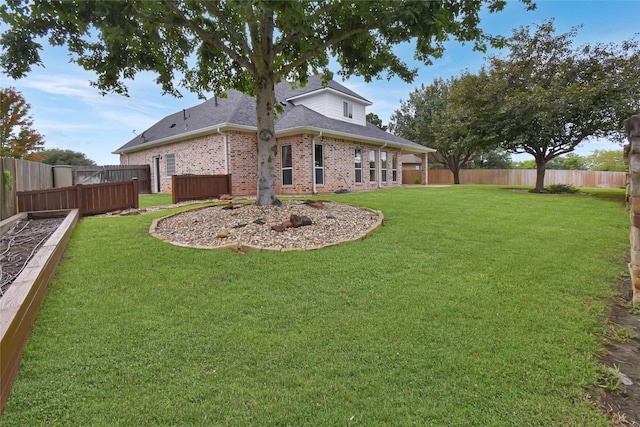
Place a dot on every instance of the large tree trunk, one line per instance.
(262, 39)
(541, 168)
(267, 147)
(456, 175)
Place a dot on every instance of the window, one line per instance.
(394, 167)
(357, 158)
(347, 109)
(319, 165)
(286, 165)
(383, 165)
(372, 165)
(171, 164)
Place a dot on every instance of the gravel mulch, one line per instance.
(248, 227)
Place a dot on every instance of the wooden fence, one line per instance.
(411, 176)
(88, 199)
(194, 187)
(527, 177)
(22, 175)
(114, 173)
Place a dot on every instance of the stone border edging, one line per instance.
(243, 248)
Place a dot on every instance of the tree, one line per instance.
(433, 116)
(606, 160)
(492, 159)
(573, 162)
(56, 156)
(375, 120)
(553, 97)
(246, 45)
(17, 137)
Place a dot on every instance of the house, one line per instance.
(324, 143)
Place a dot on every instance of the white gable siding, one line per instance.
(330, 104)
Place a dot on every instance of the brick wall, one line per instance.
(199, 156)
(339, 166)
(205, 155)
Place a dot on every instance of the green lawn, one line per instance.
(472, 305)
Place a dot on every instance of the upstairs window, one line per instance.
(287, 165)
(347, 109)
(170, 164)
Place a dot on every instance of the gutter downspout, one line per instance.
(380, 165)
(225, 149)
(313, 162)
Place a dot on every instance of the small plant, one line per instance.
(609, 378)
(635, 309)
(561, 188)
(619, 334)
(7, 180)
(417, 182)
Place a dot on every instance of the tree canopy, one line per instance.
(57, 156)
(17, 137)
(435, 116)
(246, 45)
(552, 96)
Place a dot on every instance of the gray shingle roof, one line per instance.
(284, 91)
(301, 117)
(239, 111)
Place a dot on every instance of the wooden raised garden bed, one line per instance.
(20, 303)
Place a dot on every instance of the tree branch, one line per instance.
(315, 51)
(206, 37)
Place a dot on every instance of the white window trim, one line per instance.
(316, 168)
(372, 159)
(170, 171)
(283, 168)
(356, 168)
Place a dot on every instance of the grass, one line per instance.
(472, 305)
(148, 200)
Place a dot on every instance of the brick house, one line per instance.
(324, 143)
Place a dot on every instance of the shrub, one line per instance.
(561, 188)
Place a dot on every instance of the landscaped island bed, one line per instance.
(251, 227)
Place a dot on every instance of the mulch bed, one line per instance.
(20, 244)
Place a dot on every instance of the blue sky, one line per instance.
(73, 115)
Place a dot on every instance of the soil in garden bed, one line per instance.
(20, 244)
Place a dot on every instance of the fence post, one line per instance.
(632, 129)
(79, 199)
(134, 183)
(174, 179)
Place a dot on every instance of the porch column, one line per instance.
(425, 169)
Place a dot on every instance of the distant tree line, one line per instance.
(598, 160)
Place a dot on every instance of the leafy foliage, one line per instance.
(553, 97)
(561, 188)
(606, 160)
(17, 137)
(246, 45)
(375, 120)
(434, 116)
(56, 156)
